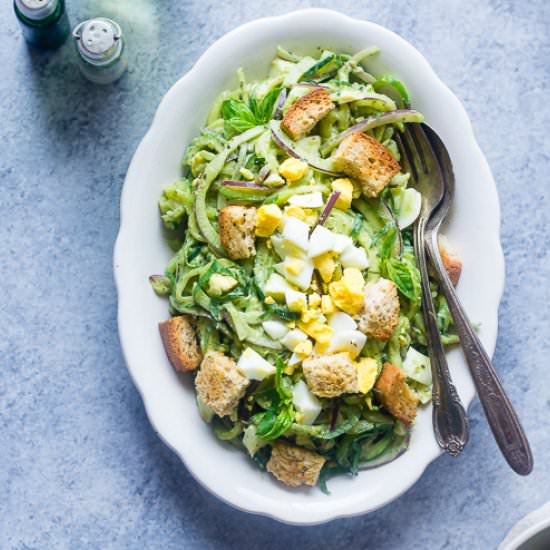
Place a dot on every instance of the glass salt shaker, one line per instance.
(44, 22)
(101, 50)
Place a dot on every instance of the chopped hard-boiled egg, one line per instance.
(275, 329)
(417, 367)
(295, 300)
(276, 286)
(281, 248)
(293, 266)
(341, 321)
(298, 271)
(367, 369)
(307, 200)
(353, 256)
(351, 341)
(268, 219)
(293, 169)
(296, 212)
(253, 366)
(318, 330)
(320, 242)
(408, 203)
(327, 305)
(326, 265)
(303, 349)
(314, 300)
(347, 293)
(340, 243)
(345, 187)
(305, 402)
(295, 233)
(293, 338)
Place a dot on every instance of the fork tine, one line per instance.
(407, 154)
(424, 151)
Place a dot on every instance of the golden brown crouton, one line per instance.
(293, 465)
(180, 343)
(380, 313)
(330, 375)
(219, 384)
(237, 228)
(451, 260)
(306, 112)
(395, 395)
(369, 162)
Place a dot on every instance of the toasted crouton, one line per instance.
(180, 343)
(330, 375)
(395, 395)
(219, 384)
(295, 466)
(369, 162)
(451, 260)
(237, 228)
(306, 112)
(380, 313)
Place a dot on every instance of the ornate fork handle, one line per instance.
(500, 413)
(450, 421)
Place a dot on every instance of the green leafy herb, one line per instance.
(239, 115)
(274, 422)
(405, 276)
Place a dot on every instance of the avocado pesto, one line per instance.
(294, 291)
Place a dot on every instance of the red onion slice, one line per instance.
(331, 202)
(278, 114)
(289, 148)
(262, 174)
(392, 117)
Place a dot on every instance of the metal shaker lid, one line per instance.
(36, 9)
(98, 40)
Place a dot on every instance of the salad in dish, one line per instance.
(294, 290)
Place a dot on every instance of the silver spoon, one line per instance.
(499, 411)
(449, 418)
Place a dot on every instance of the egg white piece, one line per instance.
(408, 204)
(351, 341)
(321, 241)
(301, 280)
(295, 300)
(340, 243)
(276, 286)
(295, 233)
(341, 321)
(305, 402)
(353, 256)
(307, 200)
(253, 366)
(293, 338)
(275, 329)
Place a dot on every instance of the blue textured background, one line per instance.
(80, 466)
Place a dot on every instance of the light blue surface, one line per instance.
(80, 466)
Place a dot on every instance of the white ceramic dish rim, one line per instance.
(309, 17)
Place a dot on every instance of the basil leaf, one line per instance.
(386, 238)
(265, 111)
(237, 117)
(405, 276)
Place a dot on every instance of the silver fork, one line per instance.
(449, 418)
(501, 416)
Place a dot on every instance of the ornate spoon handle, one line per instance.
(500, 413)
(450, 421)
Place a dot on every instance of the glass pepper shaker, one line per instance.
(44, 22)
(101, 50)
